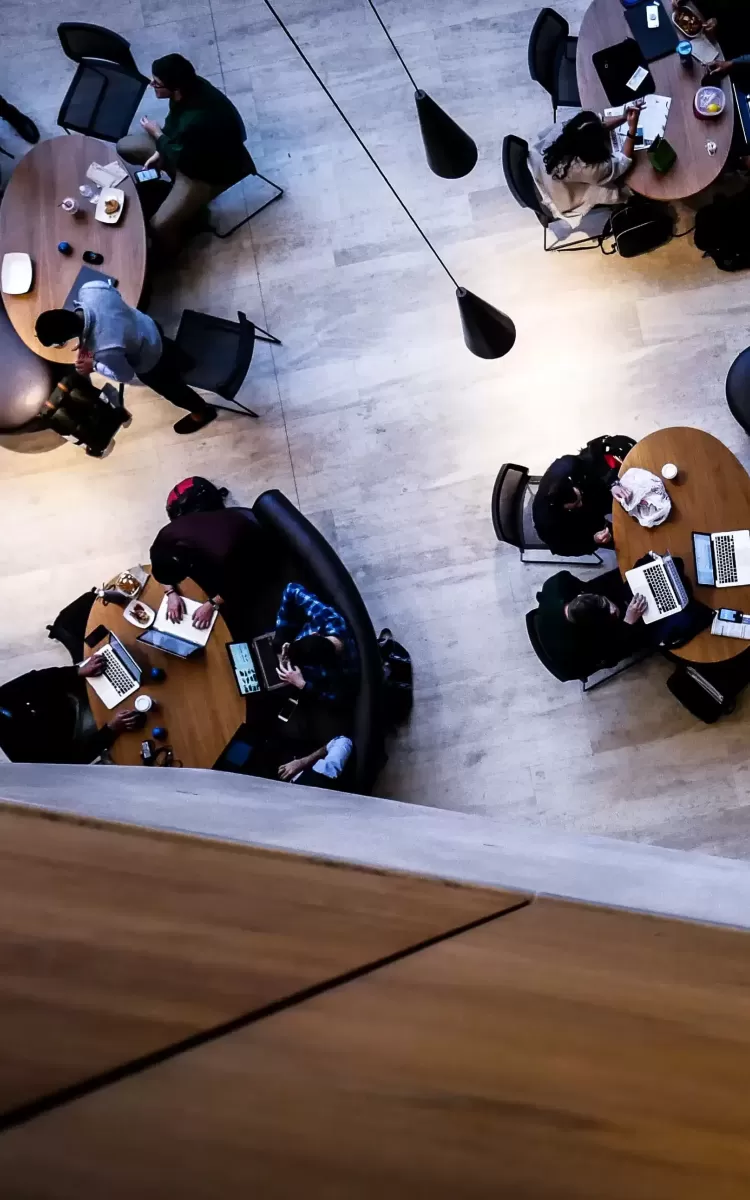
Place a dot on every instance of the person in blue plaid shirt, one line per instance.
(317, 650)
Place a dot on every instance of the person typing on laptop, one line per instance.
(587, 626)
(45, 716)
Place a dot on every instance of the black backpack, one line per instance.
(722, 232)
(193, 495)
(638, 227)
(398, 684)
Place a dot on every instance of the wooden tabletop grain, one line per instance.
(604, 25)
(711, 493)
(198, 702)
(31, 221)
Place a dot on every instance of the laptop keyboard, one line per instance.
(656, 578)
(726, 563)
(115, 673)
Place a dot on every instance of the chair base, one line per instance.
(586, 560)
(591, 242)
(615, 671)
(254, 213)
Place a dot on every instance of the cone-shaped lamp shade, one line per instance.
(450, 152)
(488, 333)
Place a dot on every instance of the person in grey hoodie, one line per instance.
(121, 343)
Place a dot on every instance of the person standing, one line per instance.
(120, 342)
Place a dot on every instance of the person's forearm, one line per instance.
(628, 147)
(172, 587)
(612, 122)
(311, 759)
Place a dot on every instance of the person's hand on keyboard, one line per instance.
(202, 616)
(636, 609)
(176, 608)
(95, 665)
(125, 720)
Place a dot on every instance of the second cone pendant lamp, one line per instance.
(450, 152)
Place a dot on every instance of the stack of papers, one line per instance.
(106, 177)
(651, 124)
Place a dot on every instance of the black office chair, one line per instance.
(738, 389)
(548, 662)
(252, 174)
(220, 352)
(512, 499)
(524, 191)
(107, 87)
(552, 59)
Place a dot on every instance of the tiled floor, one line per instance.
(378, 421)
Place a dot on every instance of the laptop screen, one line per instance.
(169, 642)
(124, 656)
(704, 559)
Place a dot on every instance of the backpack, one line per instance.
(638, 227)
(604, 455)
(193, 495)
(398, 685)
(721, 232)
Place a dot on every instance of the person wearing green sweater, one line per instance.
(200, 146)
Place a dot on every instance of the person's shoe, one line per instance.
(23, 125)
(195, 421)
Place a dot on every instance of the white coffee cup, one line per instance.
(669, 471)
(69, 205)
(143, 704)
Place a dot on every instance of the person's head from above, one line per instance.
(172, 77)
(57, 326)
(592, 613)
(314, 650)
(583, 138)
(565, 495)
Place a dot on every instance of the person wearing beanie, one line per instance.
(200, 146)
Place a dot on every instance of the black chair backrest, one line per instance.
(549, 32)
(518, 176)
(80, 41)
(738, 389)
(539, 650)
(507, 503)
(221, 351)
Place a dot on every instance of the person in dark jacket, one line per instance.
(571, 507)
(728, 22)
(200, 146)
(45, 717)
(584, 627)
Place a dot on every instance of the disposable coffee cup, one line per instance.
(69, 205)
(669, 471)
(144, 704)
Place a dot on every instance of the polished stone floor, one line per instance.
(375, 418)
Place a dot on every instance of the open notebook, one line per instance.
(652, 122)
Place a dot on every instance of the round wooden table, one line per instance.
(604, 25)
(198, 702)
(32, 221)
(711, 494)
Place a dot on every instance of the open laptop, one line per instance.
(742, 103)
(183, 628)
(660, 585)
(722, 559)
(268, 660)
(122, 675)
(170, 643)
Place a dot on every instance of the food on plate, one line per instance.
(688, 22)
(139, 613)
(111, 206)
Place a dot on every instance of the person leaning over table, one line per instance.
(40, 716)
(201, 145)
(571, 507)
(120, 342)
(728, 23)
(575, 167)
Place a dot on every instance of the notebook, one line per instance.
(659, 41)
(185, 628)
(616, 65)
(652, 121)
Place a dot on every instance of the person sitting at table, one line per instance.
(120, 342)
(223, 551)
(45, 717)
(727, 22)
(571, 507)
(201, 146)
(322, 768)
(575, 167)
(587, 626)
(316, 648)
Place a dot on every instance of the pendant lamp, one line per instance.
(488, 333)
(450, 152)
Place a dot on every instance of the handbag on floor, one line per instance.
(638, 227)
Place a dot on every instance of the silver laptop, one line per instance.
(722, 559)
(660, 585)
(122, 675)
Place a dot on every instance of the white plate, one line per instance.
(17, 274)
(109, 194)
(128, 615)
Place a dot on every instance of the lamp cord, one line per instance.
(395, 47)
(354, 133)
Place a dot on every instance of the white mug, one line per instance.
(669, 471)
(143, 704)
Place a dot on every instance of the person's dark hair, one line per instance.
(58, 325)
(585, 138)
(313, 650)
(174, 71)
(590, 611)
(561, 493)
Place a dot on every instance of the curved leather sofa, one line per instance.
(26, 380)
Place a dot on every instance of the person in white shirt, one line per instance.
(575, 166)
(321, 768)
